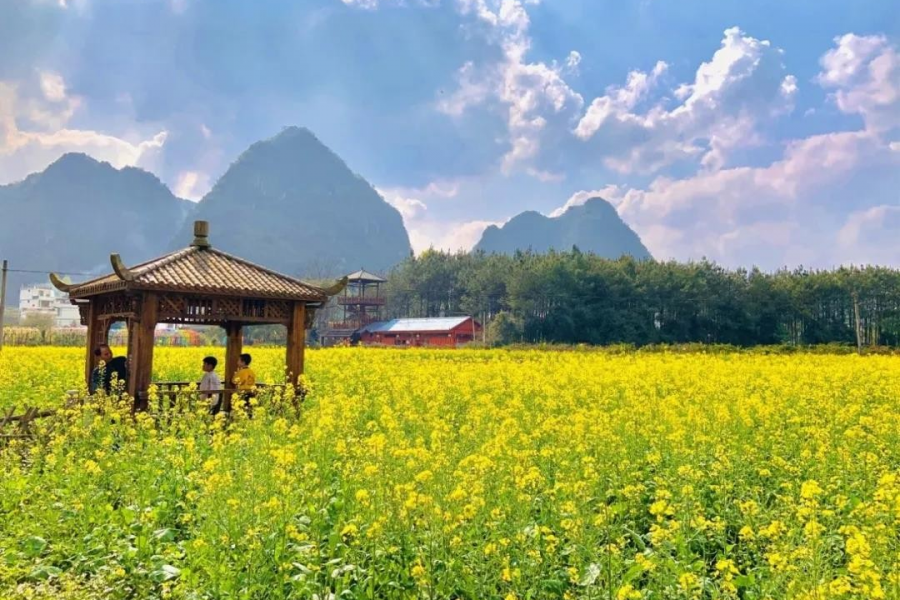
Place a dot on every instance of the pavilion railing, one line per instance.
(168, 392)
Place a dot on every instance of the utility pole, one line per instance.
(484, 318)
(858, 332)
(3, 298)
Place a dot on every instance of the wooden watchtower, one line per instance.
(360, 304)
(196, 285)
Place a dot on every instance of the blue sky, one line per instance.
(753, 133)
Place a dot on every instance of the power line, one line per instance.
(47, 272)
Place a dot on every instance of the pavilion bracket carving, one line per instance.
(84, 312)
(117, 306)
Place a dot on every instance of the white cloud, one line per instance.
(806, 207)
(619, 101)
(426, 231)
(192, 185)
(534, 94)
(60, 3)
(545, 176)
(373, 4)
(367, 4)
(409, 208)
(608, 193)
(742, 85)
(24, 150)
(442, 189)
(471, 91)
(870, 235)
(80, 5)
(451, 237)
(53, 86)
(807, 164)
(864, 71)
(784, 213)
(860, 221)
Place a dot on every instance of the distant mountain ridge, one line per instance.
(594, 227)
(288, 203)
(69, 218)
(292, 204)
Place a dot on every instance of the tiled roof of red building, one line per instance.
(423, 325)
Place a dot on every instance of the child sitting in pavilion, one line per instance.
(244, 379)
(210, 383)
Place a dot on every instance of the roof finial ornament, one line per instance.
(59, 284)
(201, 234)
(119, 268)
(337, 288)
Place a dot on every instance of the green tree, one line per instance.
(504, 329)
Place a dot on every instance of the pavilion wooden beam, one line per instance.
(296, 342)
(140, 355)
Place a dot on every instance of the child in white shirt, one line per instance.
(210, 382)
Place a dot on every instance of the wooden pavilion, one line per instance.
(196, 285)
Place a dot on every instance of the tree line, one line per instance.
(575, 297)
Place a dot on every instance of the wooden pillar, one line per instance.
(233, 347)
(132, 353)
(90, 361)
(296, 342)
(140, 355)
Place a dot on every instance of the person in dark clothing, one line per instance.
(102, 375)
(104, 354)
(116, 372)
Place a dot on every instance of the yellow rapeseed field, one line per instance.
(474, 474)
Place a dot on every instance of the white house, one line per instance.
(44, 299)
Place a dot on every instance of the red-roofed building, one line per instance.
(442, 332)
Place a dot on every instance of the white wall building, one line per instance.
(44, 299)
